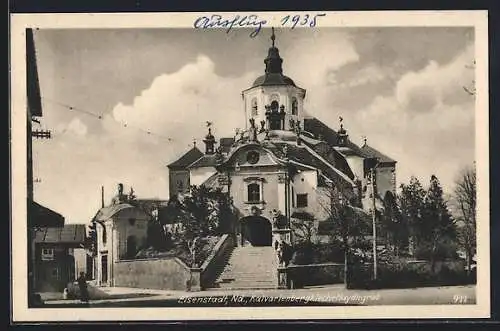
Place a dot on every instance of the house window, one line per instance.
(47, 254)
(253, 192)
(301, 200)
(295, 106)
(254, 107)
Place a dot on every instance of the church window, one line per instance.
(253, 192)
(254, 107)
(295, 106)
(301, 200)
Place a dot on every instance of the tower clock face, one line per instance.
(252, 157)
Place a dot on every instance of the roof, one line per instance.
(72, 234)
(305, 155)
(209, 160)
(271, 79)
(318, 128)
(376, 154)
(212, 181)
(39, 215)
(189, 157)
(109, 211)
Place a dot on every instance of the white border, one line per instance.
(478, 19)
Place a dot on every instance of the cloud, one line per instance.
(77, 126)
(423, 90)
(427, 124)
(177, 105)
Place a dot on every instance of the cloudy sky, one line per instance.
(402, 88)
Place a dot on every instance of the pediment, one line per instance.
(251, 155)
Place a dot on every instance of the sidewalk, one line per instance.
(324, 295)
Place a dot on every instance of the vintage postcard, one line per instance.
(250, 165)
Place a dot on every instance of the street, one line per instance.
(314, 296)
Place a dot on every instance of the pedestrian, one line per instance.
(82, 284)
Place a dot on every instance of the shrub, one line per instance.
(404, 274)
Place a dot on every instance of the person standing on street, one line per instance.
(82, 284)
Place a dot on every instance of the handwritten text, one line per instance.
(253, 21)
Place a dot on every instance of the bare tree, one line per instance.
(346, 227)
(464, 199)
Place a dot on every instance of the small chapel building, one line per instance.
(284, 164)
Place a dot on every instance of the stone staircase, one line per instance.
(249, 267)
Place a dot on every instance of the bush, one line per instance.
(405, 274)
(309, 253)
(180, 250)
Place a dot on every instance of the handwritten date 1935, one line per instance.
(300, 20)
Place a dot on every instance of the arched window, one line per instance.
(253, 192)
(254, 107)
(131, 247)
(295, 106)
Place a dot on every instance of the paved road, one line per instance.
(316, 296)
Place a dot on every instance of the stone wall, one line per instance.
(162, 274)
(216, 261)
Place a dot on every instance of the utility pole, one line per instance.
(374, 224)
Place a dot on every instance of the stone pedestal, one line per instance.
(195, 281)
(283, 281)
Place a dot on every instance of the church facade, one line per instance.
(283, 165)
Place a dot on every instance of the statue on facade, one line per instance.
(253, 130)
(120, 197)
(291, 123)
(131, 194)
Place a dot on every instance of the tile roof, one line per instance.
(69, 234)
(376, 154)
(189, 157)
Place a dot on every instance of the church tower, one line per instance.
(274, 99)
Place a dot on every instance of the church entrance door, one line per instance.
(256, 231)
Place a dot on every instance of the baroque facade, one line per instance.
(284, 164)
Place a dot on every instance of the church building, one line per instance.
(283, 165)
